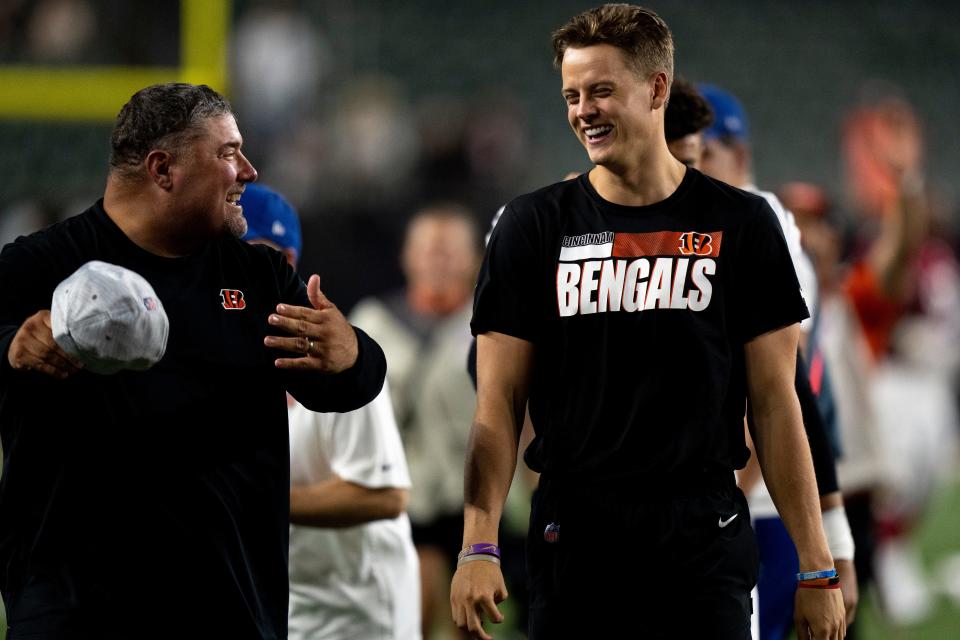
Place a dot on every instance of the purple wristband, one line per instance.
(481, 549)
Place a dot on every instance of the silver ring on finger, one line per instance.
(310, 344)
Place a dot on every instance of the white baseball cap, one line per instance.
(109, 318)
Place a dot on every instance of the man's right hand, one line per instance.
(477, 588)
(34, 349)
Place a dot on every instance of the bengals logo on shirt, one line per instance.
(609, 272)
(696, 244)
(232, 299)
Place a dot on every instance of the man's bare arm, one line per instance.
(504, 364)
(787, 466)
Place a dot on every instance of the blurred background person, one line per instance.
(424, 329)
(281, 58)
(353, 568)
(688, 116)
(727, 156)
(903, 284)
(889, 321)
(845, 353)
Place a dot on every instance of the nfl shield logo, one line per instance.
(552, 532)
(150, 304)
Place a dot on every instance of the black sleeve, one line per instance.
(28, 275)
(768, 292)
(344, 391)
(508, 285)
(15, 305)
(472, 362)
(347, 390)
(824, 464)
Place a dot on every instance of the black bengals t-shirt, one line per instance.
(155, 504)
(638, 316)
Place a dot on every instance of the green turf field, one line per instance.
(939, 538)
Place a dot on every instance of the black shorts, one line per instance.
(673, 565)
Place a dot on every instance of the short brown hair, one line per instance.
(639, 32)
(162, 116)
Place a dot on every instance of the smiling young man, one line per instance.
(155, 503)
(636, 307)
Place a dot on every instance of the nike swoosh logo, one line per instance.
(723, 523)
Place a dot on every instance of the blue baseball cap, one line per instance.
(729, 117)
(270, 217)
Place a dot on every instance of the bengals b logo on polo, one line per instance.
(696, 244)
(232, 299)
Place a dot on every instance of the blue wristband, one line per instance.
(816, 575)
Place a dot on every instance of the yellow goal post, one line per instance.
(96, 93)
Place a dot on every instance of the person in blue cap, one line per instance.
(354, 572)
(726, 139)
(272, 220)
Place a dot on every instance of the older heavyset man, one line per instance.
(155, 503)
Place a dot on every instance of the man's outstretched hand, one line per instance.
(322, 334)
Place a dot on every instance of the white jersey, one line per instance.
(801, 261)
(362, 581)
(434, 399)
(761, 504)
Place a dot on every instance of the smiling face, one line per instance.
(614, 112)
(212, 172)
